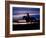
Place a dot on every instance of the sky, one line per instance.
(22, 10)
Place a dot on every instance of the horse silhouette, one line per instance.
(28, 18)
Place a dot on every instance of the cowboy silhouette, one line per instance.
(27, 18)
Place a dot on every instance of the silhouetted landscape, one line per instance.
(31, 26)
(26, 19)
